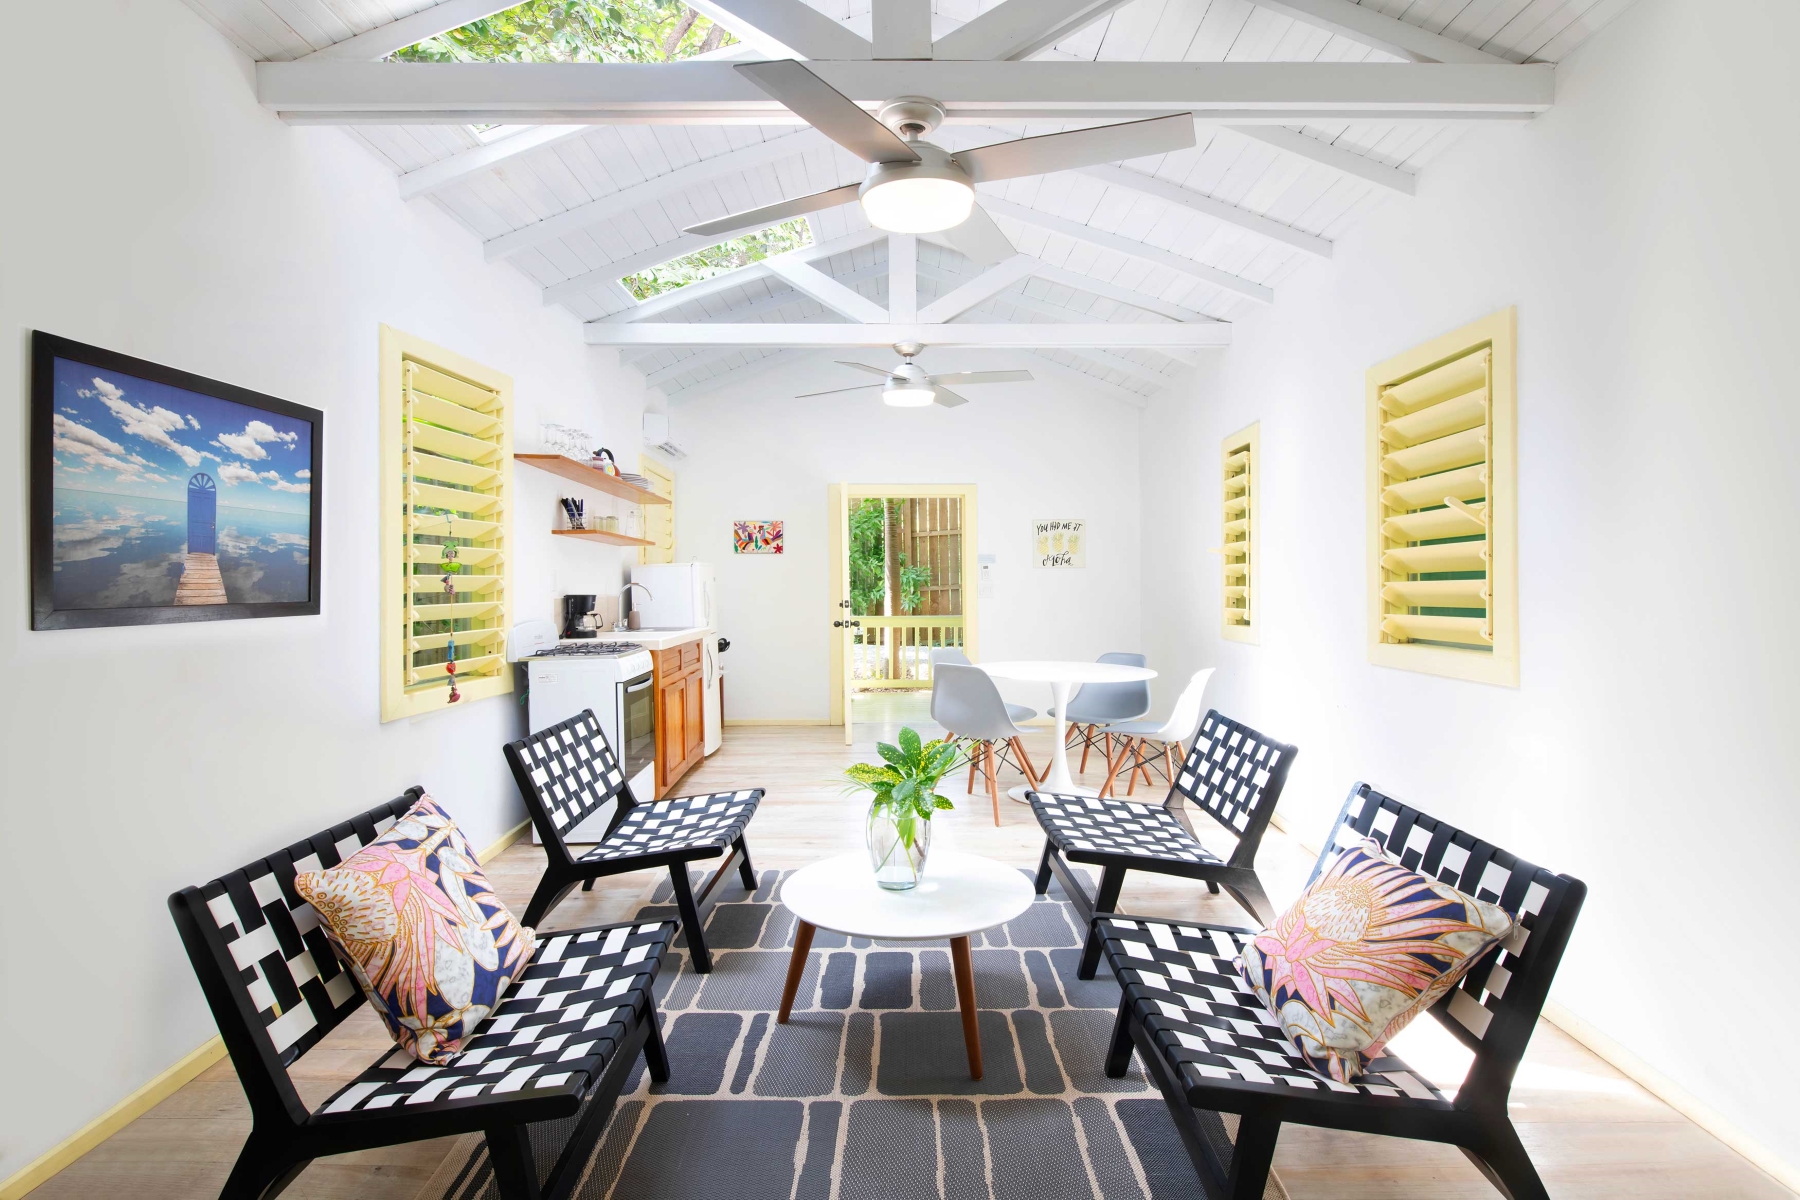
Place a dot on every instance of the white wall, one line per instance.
(1644, 228)
(151, 207)
(1046, 449)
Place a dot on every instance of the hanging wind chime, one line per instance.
(452, 568)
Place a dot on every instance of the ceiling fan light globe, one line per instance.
(910, 396)
(918, 205)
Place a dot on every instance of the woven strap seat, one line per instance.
(710, 822)
(1098, 826)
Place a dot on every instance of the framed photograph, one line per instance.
(160, 496)
(758, 537)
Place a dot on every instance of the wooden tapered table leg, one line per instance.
(965, 998)
(803, 936)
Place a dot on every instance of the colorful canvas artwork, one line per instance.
(756, 537)
(161, 496)
(1060, 543)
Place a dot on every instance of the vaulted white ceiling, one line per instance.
(609, 163)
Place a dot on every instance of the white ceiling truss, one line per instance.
(1307, 114)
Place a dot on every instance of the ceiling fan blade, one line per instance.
(1078, 148)
(964, 377)
(949, 399)
(866, 367)
(775, 214)
(828, 110)
(861, 387)
(980, 239)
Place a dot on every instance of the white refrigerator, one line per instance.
(685, 596)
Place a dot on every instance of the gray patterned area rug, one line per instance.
(865, 1094)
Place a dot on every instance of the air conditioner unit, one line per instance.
(656, 435)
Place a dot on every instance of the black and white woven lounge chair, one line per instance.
(567, 772)
(1213, 1048)
(560, 1045)
(1233, 774)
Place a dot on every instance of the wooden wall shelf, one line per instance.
(601, 535)
(580, 472)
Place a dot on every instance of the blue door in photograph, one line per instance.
(203, 512)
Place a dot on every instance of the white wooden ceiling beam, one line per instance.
(902, 28)
(714, 93)
(1076, 281)
(903, 277)
(1376, 29)
(808, 279)
(1207, 206)
(661, 377)
(657, 305)
(1142, 251)
(1345, 162)
(1055, 312)
(660, 187)
(383, 40)
(1018, 29)
(1105, 336)
(476, 159)
(799, 29)
(981, 288)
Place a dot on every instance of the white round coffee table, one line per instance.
(959, 895)
(1063, 677)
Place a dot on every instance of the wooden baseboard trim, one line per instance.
(1645, 1076)
(112, 1120)
(749, 722)
(1628, 1064)
(506, 839)
(157, 1090)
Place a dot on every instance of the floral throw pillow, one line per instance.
(1368, 947)
(414, 919)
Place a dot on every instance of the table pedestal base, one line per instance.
(962, 967)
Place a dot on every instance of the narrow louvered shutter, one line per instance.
(447, 528)
(1239, 517)
(1443, 590)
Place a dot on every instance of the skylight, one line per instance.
(719, 260)
(641, 31)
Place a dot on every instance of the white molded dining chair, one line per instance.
(1168, 736)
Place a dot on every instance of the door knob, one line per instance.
(837, 624)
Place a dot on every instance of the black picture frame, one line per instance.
(46, 349)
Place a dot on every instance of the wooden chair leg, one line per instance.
(515, 1172)
(264, 1168)
(1031, 773)
(656, 1056)
(1087, 747)
(550, 892)
(690, 918)
(1114, 763)
(1137, 766)
(1112, 880)
(1503, 1160)
(1169, 763)
(1042, 883)
(746, 872)
(1118, 1053)
(1252, 1153)
(974, 761)
(993, 778)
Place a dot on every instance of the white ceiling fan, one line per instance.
(908, 386)
(913, 186)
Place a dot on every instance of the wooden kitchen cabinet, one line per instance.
(680, 714)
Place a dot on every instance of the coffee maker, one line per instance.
(578, 617)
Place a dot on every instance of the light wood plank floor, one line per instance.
(1593, 1133)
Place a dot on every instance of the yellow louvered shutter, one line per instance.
(1239, 516)
(1443, 586)
(446, 450)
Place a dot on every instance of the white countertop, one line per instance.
(656, 639)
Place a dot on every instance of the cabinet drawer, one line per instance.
(668, 662)
(690, 654)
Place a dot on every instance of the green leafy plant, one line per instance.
(905, 785)
(716, 260)
(912, 581)
(639, 31)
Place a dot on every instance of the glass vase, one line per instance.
(897, 848)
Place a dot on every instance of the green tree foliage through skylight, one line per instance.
(717, 260)
(642, 31)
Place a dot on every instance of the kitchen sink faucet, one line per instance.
(621, 623)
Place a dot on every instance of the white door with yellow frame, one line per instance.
(914, 598)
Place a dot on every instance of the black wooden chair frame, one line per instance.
(285, 1135)
(1236, 875)
(1476, 1121)
(563, 871)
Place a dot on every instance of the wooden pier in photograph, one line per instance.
(201, 582)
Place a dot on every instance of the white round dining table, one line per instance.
(1063, 678)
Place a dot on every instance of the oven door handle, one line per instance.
(638, 687)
